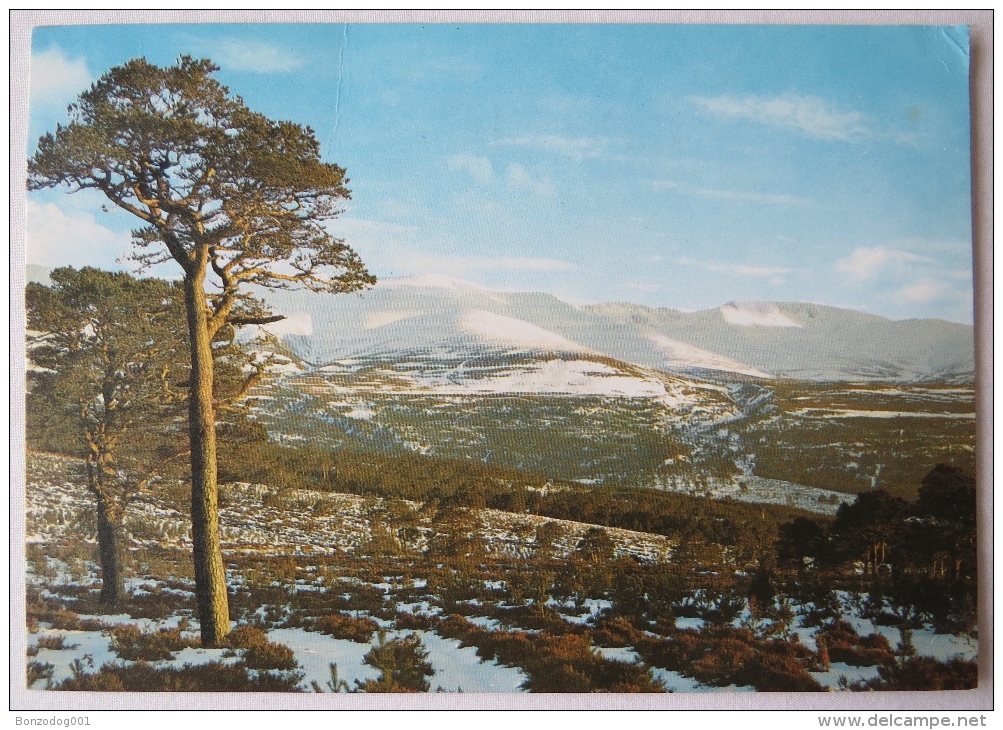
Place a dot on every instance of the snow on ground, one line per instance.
(268, 521)
(510, 331)
(455, 667)
(315, 653)
(683, 355)
(620, 654)
(760, 490)
(683, 623)
(756, 314)
(850, 413)
(556, 376)
(461, 668)
(838, 671)
(676, 682)
(92, 649)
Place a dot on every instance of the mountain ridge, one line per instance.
(765, 340)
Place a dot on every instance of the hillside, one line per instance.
(443, 316)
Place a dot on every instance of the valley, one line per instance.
(509, 493)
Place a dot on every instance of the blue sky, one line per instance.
(676, 166)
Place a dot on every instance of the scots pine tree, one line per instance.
(234, 199)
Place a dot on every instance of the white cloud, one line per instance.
(868, 263)
(253, 56)
(930, 290)
(479, 168)
(516, 175)
(519, 177)
(56, 238)
(721, 267)
(741, 196)
(908, 279)
(809, 115)
(576, 148)
(55, 79)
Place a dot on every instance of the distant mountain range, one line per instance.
(432, 314)
(440, 317)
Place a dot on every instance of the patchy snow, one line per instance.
(676, 682)
(556, 376)
(461, 669)
(315, 653)
(620, 654)
(283, 366)
(196, 655)
(455, 667)
(360, 413)
(689, 623)
(756, 314)
(944, 646)
(683, 355)
(419, 608)
(850, 413)
(92, 649)
(514, 332)
(838, 670)
(490, 624)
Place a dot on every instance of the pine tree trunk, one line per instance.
(210, 577)
(109, 529)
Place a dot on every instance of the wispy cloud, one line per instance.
(742, 196)
(577, 148)
(810, 115)
(905, 277)
(519, 177)
(928, 290)
(254, 56)
(465, 265)
(515, 176)
(724, 267)
(55, 79)
(869, 263)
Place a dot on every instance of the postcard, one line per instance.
(499, 359)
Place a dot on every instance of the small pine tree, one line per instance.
(403, 664)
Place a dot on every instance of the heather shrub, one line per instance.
(259, 652)
(210, 677)
(245, 636)
(847, 646)
(924, 673)
(54, 642)
(339, 626)
(270, 655)
(131, 644)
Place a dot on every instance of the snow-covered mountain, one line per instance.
(437, 317)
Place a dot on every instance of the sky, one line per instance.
(667, 165)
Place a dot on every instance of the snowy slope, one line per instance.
(446, 317)
(813, 342)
